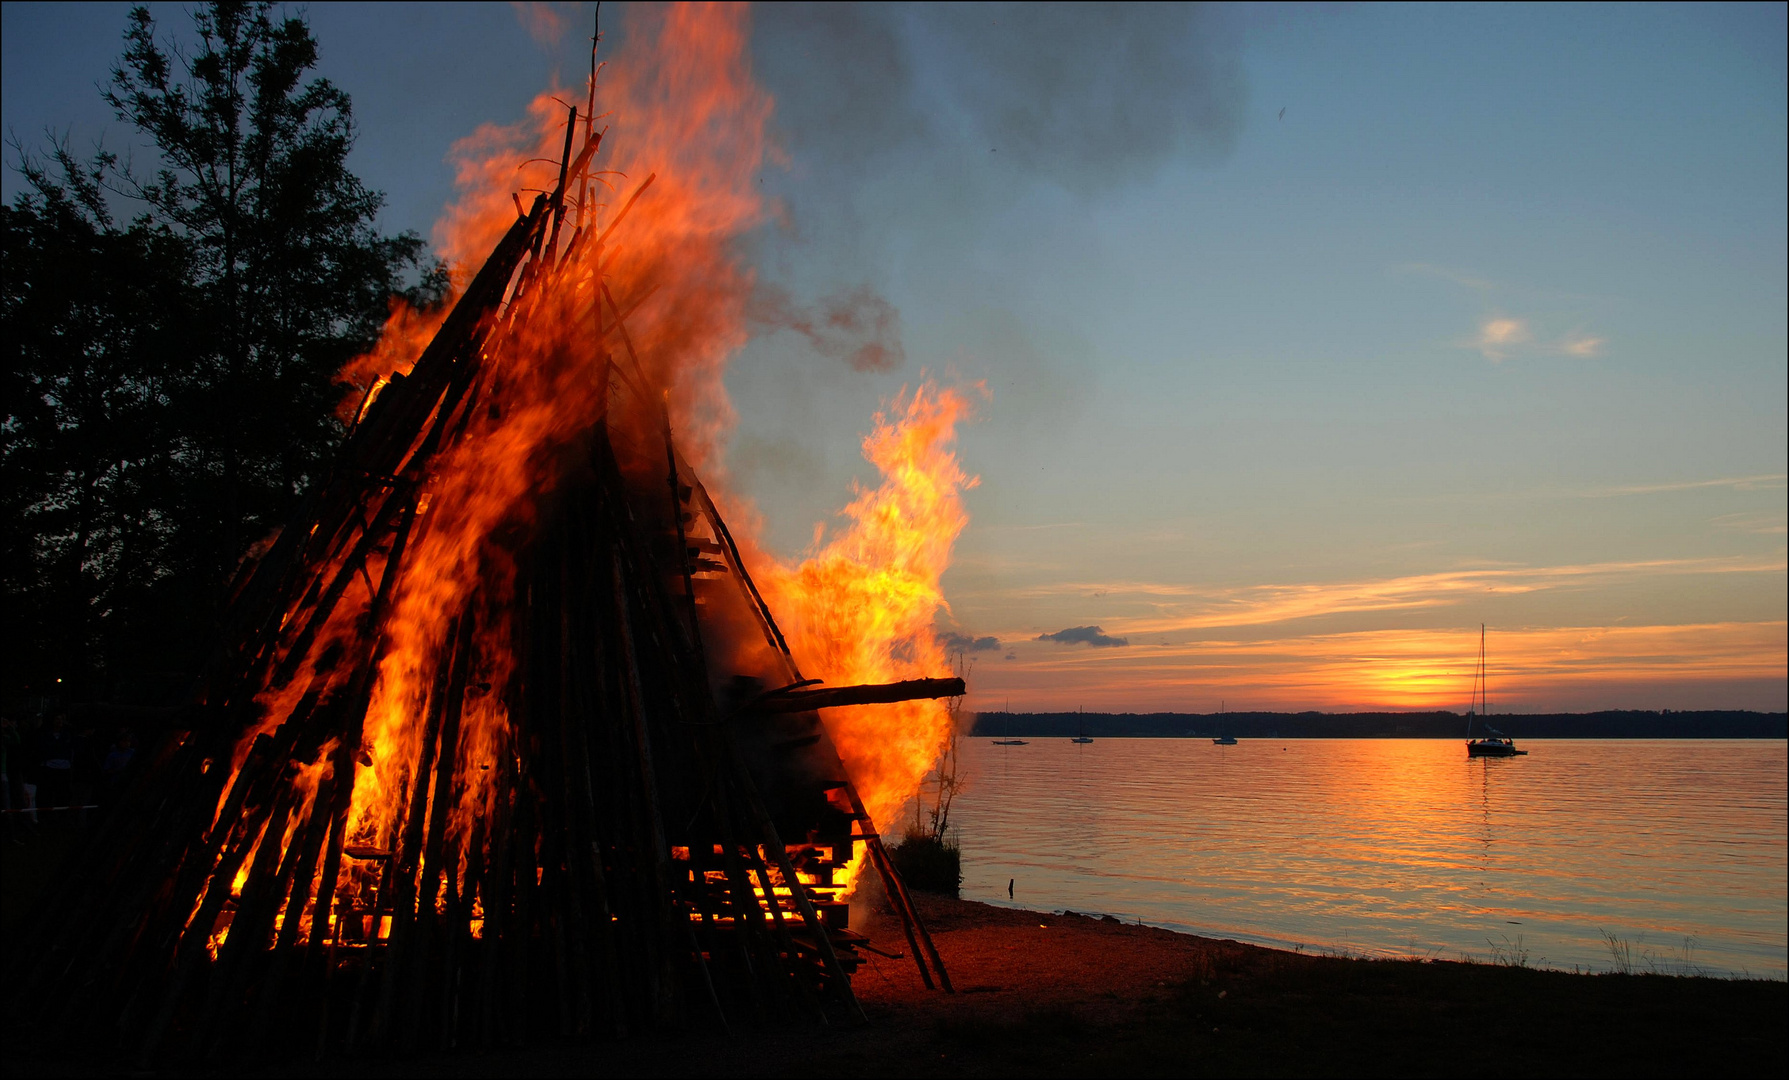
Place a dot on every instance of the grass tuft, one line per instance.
(1510, 954)
(1621, 951)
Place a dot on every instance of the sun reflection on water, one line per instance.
(1399, 846)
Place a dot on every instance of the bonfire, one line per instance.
(503, 740)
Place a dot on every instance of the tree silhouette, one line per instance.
(173, 387)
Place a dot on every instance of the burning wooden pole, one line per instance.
(541, 820)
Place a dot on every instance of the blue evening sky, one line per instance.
(1489, 326)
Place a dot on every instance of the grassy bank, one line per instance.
(29, 856)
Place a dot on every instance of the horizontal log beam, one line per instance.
(868, 694)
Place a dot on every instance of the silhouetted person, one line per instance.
(55, 764)
(10, 745)
(84, 777)
(112, 770)
(1009, 887)
(28, 768)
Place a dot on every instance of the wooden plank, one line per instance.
(789, 701)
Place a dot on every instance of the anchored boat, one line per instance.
(1495, 744)
(1498, 746)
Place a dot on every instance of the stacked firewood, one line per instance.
(658, 844)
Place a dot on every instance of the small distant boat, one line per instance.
(1009, 741)
(1082, 739)
(1224, 740)
(1496, 744)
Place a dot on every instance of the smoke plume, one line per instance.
(856, 325)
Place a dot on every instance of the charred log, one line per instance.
(799, 700)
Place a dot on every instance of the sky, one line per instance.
(1313, 338)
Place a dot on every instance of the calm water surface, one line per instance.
(1399, 846)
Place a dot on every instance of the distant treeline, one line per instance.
(1613, 724)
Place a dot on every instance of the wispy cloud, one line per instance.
(1498, 337)
(1721, 664)
(1768, 524)
(1581, 345)
(1192, 607)
(1760, 482)
(1458, 277)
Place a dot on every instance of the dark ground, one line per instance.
(1068, 995)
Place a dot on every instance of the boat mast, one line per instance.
(1476, 706)
(1484, 688)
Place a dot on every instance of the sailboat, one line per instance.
(1496, 744)
(1009, 741)
(1226, 739)
(1083, 737)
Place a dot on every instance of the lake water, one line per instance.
(1399, 847)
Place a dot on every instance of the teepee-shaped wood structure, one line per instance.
(579, 822)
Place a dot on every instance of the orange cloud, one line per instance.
(1501, 336)
(1182, 608)
(1582, 345)
(1733, 664)
(1498, 336)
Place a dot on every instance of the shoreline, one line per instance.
(1073, 995)
(1641, 965)
(1082, 995)
(1079, 995)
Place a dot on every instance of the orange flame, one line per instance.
(694, 120)
(406, 333)
(861, 609)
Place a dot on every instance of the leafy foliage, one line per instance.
(96, 318)
(927, 857)
(928, 862)
(172, 381)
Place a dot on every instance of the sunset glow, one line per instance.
(1532, 669)
(850, 538)
(1243, 388)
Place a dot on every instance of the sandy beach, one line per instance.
(1041, 994)
(1055, 994)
